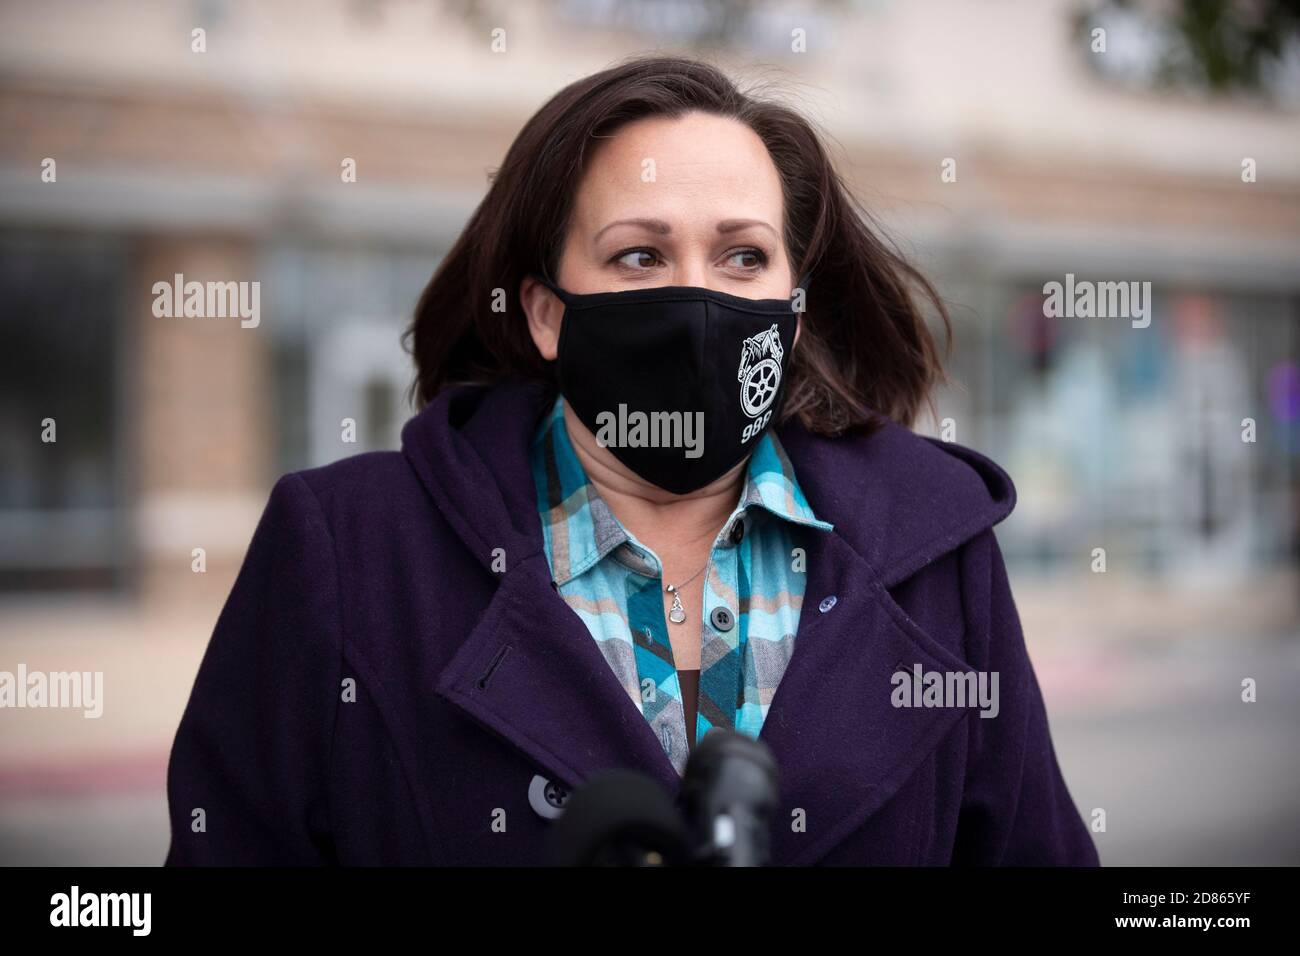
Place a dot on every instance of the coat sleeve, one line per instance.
(247, 782)
(1016, 809)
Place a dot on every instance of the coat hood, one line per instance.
(898, 499)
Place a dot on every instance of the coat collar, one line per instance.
(530, 672)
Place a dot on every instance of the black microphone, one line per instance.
(728, 795)
(618, 818)
(720, 818)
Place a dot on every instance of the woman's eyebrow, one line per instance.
(659, 227)
(735, 225)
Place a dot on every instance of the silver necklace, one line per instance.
(677, 613)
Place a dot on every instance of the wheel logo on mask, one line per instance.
(760, 371)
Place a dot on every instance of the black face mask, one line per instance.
(678, 382)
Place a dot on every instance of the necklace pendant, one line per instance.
(677, 613)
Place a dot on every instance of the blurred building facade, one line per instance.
(227, 165)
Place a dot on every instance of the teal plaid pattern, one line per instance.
(614, 583)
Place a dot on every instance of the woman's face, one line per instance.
(691, 201)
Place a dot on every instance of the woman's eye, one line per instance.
(637, 258)
(747, 259)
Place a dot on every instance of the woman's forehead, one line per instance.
(692, 167)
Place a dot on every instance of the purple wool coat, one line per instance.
(374, 692)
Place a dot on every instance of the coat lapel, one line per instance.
(898, 501)
(531, 673)
(841, 748)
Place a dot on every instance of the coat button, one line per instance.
(721, 618)
(738, 531)
(546, 798)
(827, 604)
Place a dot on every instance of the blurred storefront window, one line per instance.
(61, 370)
(338, 315)
(1159, 443)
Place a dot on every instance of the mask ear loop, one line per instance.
(541, 277)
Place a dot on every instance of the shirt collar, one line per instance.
(580, 529)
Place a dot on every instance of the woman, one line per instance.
(661, 483)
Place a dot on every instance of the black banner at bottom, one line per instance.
(333, 906)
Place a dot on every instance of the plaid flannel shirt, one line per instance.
(754, 581)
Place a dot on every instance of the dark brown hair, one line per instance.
(864, 344)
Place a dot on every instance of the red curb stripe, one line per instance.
(127, 772)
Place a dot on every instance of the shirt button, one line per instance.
(721, 618)
(737, 531)
(546, 798)
(827, 604)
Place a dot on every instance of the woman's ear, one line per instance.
(545, 312)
